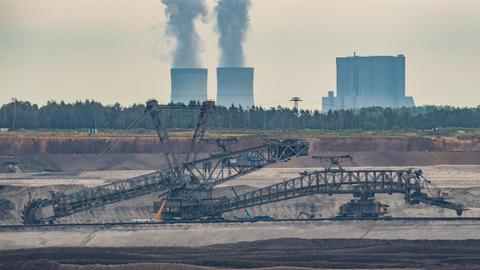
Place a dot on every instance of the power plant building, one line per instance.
(366, 81)
(235, 86)
(188, 84)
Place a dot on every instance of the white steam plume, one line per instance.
(181, 16)
(232, 26)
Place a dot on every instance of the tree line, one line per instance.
(91, 114)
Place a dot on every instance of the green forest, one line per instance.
(91, 114)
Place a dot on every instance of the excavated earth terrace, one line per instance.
(459, 181)
(46, 164)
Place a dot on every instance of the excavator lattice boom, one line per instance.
(200, 174)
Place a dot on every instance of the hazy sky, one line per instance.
(115, 50)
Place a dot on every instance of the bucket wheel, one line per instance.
(30, 210)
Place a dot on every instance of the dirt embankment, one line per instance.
(30, 152)
(278, 254)
(31, 144)
(384, 144)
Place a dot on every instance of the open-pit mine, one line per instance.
(197, 201)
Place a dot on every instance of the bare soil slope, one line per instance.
(39, 143)
(34, 152)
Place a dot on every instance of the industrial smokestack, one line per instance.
(232, 25)
(188, 84)
(235, 86)
(181, 26)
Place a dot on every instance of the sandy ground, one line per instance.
(195, 235)
(441, 176)
(84, 178)
(146, 161)
(460, 181)
(402, 244)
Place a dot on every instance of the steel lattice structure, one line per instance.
(357, 182)
(187, 187)
(209, 171)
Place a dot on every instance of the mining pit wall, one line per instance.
(28, 144)
(80, 152)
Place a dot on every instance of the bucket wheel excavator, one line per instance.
(181, 184)
(186, 187)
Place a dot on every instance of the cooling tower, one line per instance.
(188, 84)
(235, 86)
